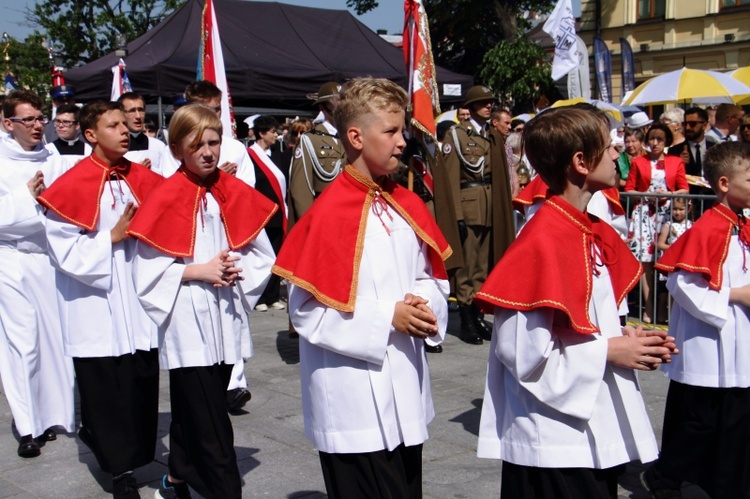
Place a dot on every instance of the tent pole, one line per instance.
(161, 114)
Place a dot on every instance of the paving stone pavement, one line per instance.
(275, 458)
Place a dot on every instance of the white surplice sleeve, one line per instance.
(256, 260)
(87, 256)
(690, 290)
(20, 215)
(435, 291)
(157, 279)
(561, 368)
(245, 169)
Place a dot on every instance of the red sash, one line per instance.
(333, 231)
(550, 266)
(271, 180)
(75, 196)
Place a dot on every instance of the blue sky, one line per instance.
(389, 15)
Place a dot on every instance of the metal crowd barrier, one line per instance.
(658, 308)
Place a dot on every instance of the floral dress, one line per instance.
(647, 216)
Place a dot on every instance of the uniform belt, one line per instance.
(476, 183)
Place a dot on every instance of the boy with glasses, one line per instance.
(68, 143)
(37, 377)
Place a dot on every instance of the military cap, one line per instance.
(478, 93)
(327, 92)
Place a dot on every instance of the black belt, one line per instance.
(476, 183)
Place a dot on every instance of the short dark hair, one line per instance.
(17, 97)
(201, 91)
(702, 113)
(723, 159)
(69, 108)
(263, 124)
(130, 96)
(91, 112)
(551, 139)
(664, 128)
(442, 129)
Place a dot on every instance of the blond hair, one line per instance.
(193, 118)
(362, 96)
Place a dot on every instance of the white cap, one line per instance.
(639, 119)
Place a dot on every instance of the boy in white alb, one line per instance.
(199, 231)
(105, 330)
(367, 290)
(707, 416)
(144, 150)
(562, 407)
(37, 377)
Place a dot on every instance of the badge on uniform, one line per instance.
(447, 148)
(298, 153)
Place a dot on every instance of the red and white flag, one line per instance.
(211, 66)
(420, 68)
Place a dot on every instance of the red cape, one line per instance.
(537, 191)
(704, 247)
(549, 266)
(168, 221)
(76, 194)
(333, 230)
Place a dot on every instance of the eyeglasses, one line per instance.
(29, 121)
(693, 124)
(745, 126)
(65, 123)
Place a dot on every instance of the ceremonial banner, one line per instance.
(420, 68)
(579, 80)
(561, 26)
(211, 66)
(603, 62)
(120, 81)
(628, 68)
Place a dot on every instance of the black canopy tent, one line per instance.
(275, 55)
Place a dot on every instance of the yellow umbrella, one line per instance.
(686, 85)
(741, 74)
(608, 108)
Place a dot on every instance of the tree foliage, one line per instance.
(29, 64)
(516, 70)
(85, 30)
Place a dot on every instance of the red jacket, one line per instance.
(639, 178)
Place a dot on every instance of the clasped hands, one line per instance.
(413, 317)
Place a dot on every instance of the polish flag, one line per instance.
(211, 66)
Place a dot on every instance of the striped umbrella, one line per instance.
(686, 85)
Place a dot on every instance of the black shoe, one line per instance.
(237, 398)
(433, 349)
(469, 332)
(483, 327)
(658, 486)
(125, 487)
(48, 435)
(28, 447)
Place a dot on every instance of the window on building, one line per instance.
(734, 3)
(648, 9)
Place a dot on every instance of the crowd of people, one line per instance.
(123, 255)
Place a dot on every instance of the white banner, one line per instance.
(561, 26)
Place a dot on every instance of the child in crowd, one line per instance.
(707, 414)
(202, 262)
(367, 290)
(105, 330)
(562, 407)
(669, 233)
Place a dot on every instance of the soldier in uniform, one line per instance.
(318, 158)
(475, 162)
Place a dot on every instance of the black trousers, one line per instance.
(383, 474)
(528, 482)
(201, 439)
(706, 439)
(119, 408)
(272, 293)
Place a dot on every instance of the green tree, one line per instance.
(516, 70)
(85, 30)
(29, 64)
